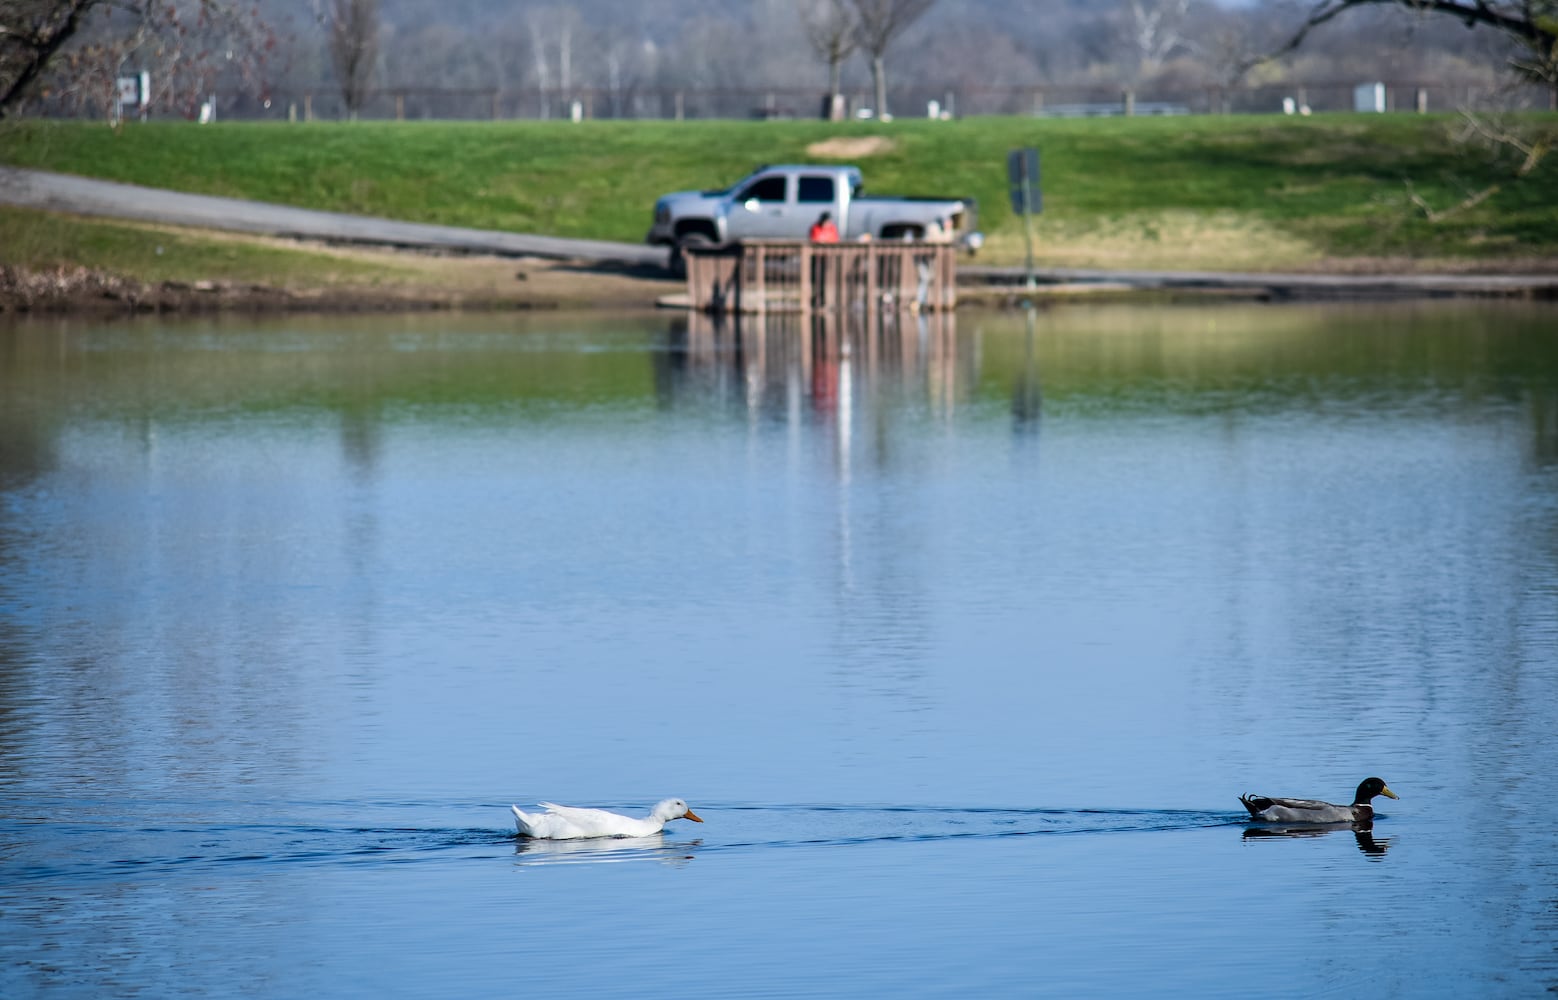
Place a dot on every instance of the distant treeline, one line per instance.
(482, 59)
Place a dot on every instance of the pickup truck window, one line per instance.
(763, 189)
(815, 189)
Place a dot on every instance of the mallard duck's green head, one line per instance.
(1370, 788)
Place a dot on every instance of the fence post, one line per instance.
(871, 275)
(761, 281)
(806, 259)
(949, 277)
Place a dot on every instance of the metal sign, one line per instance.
(134, 90)
(1022, 170)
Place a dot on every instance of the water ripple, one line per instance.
(43, 851)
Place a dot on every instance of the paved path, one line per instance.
(67, 193)
(83, 196)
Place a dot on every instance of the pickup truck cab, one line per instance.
(782, 202)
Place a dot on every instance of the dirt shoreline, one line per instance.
(443, 284)
(431, 282)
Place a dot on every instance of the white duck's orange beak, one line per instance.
(697, 819)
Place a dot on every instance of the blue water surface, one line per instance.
(963, 634)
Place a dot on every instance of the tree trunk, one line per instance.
(43, 47)
(879, 78)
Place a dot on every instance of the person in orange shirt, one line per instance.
(823, 230)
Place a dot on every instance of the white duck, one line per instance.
(573, 823)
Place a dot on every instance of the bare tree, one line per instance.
(543, 69)
(1229, 44)
(354, 48)
(1533, 24)
(553, 31)
(31, 32)
(1154, 28)
(830, 28)
(879, 24)
(79, 47)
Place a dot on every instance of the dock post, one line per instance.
(871, 276)
(761, 277)
(805, 277)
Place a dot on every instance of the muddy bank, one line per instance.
(72, 289)
(81, 290)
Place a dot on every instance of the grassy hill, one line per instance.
(1332, 191)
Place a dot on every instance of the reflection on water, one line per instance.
(1014, 603)
(851, 372)
(1362, 833)
(605, 850)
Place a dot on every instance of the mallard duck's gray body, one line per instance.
(1274, 810)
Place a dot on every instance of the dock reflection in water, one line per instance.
(769, 359)
(852, 371)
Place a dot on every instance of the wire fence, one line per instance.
(324, 102)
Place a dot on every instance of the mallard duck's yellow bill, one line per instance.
(699, 819)
(1388, 793)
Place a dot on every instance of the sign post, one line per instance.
(1022, 170)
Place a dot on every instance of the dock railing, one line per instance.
(758, 276)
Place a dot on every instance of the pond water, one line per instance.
(963, 636)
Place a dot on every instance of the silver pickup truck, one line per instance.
(782, 202)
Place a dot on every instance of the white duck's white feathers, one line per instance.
(574, 823)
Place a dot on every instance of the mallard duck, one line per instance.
(1270, 810)
(572, 823)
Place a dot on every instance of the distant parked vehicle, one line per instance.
(782, 202)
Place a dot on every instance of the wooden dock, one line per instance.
(761, 276)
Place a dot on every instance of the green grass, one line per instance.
(1240, 191)
(43, 240)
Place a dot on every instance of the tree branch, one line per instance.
(1533, 148)
(1470, 201)
(1526, 23)
(39, 47)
